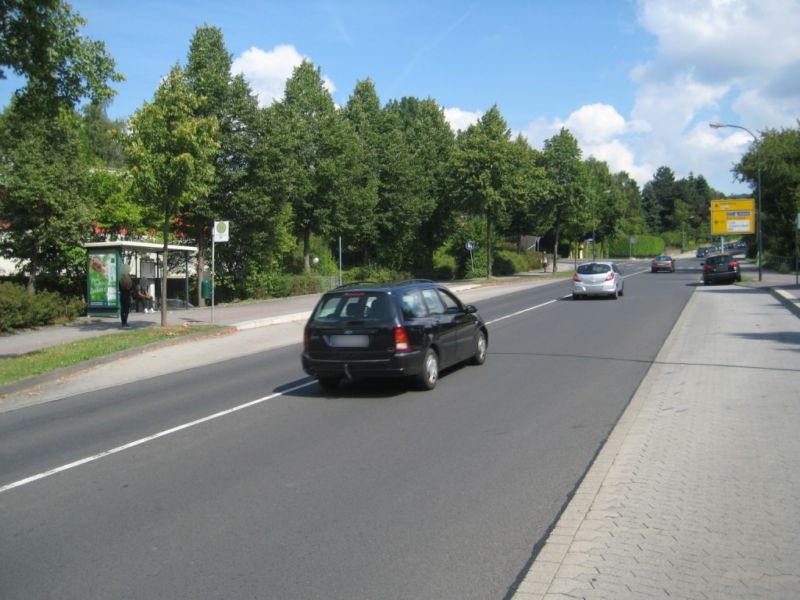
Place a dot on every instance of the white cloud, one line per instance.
(600, 131)
(267, 72)
(595, 123)
(620, 157)
(747, 49)
(461, 119)
(732, 60)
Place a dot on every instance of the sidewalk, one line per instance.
(695, 492)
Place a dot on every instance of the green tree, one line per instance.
(252, 195)
(527, 211)
(777, 152)
(43, 167)
(363, 112)
(606, 203)
(323, 171)
(421, 170)
(230, 101)
(40, 40)
(171, 152)
(103, 137)
(565, 171)
(482, 173)
(632, 218)
(658, 200)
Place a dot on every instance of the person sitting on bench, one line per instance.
(142, 295)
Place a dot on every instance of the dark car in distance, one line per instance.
(721, 268)
(662, 263)
(702, 252)
(413, 328)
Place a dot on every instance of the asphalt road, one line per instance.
(375, 491)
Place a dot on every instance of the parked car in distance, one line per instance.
(600, 278)
(412, 328)
(721, 268)
(662, 263)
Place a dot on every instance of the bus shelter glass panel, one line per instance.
(103, 272)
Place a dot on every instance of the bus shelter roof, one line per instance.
(141, 247)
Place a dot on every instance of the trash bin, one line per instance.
(205, 289)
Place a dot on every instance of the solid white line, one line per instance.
(149, 438)
(519, 312)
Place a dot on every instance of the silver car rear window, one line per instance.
(593, 269)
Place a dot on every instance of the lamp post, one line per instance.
(719, 125)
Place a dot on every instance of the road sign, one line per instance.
(733, 217)
(221, 231)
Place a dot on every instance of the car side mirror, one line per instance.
(470, 308)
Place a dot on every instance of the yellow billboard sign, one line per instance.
(732, 217)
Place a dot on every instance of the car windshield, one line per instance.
(354, 306)
(593, 269)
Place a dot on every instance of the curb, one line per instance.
(245, 325)
(788, 300)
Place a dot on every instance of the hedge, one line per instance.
(645, 246)
(20, 310)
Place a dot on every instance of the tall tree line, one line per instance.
(392, 180)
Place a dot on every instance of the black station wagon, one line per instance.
(411, 328)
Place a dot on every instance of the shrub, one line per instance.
(374, 273)
(300, 285)
(445, 266)
(18, 309)
(507, 262)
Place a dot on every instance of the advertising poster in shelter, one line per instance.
(102, 275)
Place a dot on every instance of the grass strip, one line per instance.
(15, 368)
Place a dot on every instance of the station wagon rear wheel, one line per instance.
(430, 370)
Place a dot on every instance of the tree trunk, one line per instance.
(164, 271)
(555, 247)
(32, 268)
(202, 244)
(488, 243)
(307, 250)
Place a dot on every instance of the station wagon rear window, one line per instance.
(354, 306)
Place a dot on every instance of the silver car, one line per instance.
(598, 279)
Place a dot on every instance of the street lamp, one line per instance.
(719, 125)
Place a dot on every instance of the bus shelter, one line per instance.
(105, 263)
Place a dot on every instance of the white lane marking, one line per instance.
(166, 432)
(519, 312)
(147, 439)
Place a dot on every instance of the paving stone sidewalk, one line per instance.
(695, 494)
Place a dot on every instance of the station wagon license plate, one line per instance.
(348, 341)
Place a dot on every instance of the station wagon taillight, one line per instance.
(401, 339)
(306, 337)
(575, 277)
(610, 276)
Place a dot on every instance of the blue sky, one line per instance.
(637, 81)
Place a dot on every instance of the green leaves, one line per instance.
(43, 169)
(41, 41)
